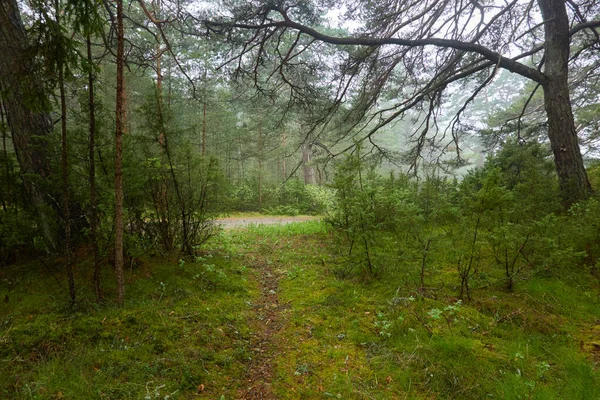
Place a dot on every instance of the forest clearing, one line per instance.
(300, 199)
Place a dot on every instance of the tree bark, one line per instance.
(120, 127)
(92, 171)
(573, 180)
(260, 159)
(283, 163)
(8, 190)
(307, 168)
(204, 129)
(25, 105)
(65, 168)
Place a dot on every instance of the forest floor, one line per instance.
(275, 312)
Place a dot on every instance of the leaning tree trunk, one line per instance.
(573, 180)
(25, 104)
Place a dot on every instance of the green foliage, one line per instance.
(17, 232)
(186, 330)
(495, 227)
(354, 215)
(290, 198)
(182, 328)
(351, 339)
(295, 198)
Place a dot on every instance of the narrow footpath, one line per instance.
(267, 322)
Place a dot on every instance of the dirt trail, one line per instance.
(240, 222)
(267, 322)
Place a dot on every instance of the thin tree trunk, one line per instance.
(65, 169)
(260, 155)
(283, 165)
(186, 245)
(307, 168)
(92, 171)
(573, 180)
(7, 196)
(163, 184)
(120, 125)
(240, 162)
(158, 53)
(203, 129)
(170, 93)
(185, 223)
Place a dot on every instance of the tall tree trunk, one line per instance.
(25, 105)
(65, 168)
(260, 157)
(241, 169)
(186, 246)
(92, 171)
(163, 184)
(573, 180)
(7, 193)
(283, 164)
(307, 168)
(203, 129)
(120, 127)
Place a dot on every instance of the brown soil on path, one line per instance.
(241, 222)
(268, 321)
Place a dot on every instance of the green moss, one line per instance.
(191, 325)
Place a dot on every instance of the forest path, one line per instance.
(241, 222)
(266, 323)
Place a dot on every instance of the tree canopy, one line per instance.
(417, 50)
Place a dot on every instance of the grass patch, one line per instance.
(347, 338)
(186, 330)
(182, 333)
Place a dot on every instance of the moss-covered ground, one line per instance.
(273, 308)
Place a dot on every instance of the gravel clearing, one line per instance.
(242, 222)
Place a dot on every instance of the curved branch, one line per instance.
(503, 62)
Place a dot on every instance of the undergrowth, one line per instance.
(347, 337)
(185, 331)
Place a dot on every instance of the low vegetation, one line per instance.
(438, 289)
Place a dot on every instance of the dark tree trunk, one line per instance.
(92, 172)
(65, 170)
(573, 180)
(25, 104)
(120, 127)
